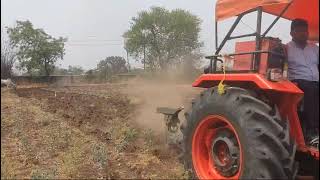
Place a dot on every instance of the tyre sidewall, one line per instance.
(213, 107)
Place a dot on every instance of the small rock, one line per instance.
(66, 116)
(45, 123)
(35, 161)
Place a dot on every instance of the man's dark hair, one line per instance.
(298, 23)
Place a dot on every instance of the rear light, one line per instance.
(276, 74)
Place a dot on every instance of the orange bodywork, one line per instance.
(305, 9)
(285, 94)
(210, 80)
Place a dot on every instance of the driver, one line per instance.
(303, 70)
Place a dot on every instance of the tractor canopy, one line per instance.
(304, 9)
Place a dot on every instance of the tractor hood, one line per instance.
(304, 9)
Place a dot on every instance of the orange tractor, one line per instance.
(245, 125)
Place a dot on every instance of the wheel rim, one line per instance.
(216, 149)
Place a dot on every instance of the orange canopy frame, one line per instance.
(304, 9)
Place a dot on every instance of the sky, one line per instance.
(94, 28)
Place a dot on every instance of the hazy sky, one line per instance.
(94, 27)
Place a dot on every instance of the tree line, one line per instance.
(158, 38)
(37, 53)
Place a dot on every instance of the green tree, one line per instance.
(71, 70)
(90, 74)
(60, 71)
(111, 65)
(75, 70)
(8, 57)
(163, 37)
(37, 51)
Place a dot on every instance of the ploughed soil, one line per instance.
(87, 131)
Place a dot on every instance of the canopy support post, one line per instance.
(276, 20)
(229, 33)
(256, 62)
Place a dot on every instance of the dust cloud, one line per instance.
(148, 94)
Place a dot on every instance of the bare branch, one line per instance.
(8, 57)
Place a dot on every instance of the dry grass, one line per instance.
(39, 141)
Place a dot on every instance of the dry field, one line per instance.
(89, 131)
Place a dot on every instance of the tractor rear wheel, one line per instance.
(236, 136)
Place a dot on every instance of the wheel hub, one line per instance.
(225, 153)
(216, 149)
